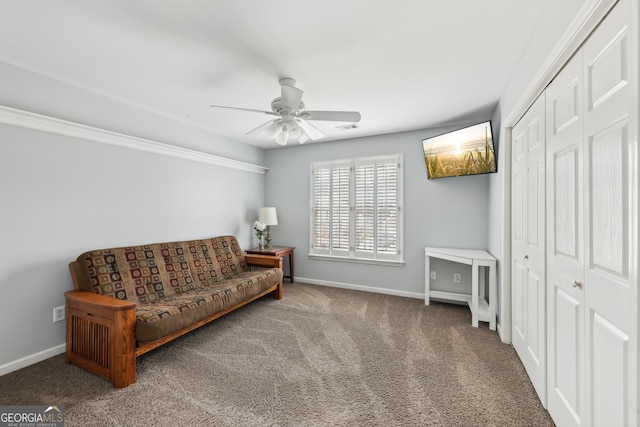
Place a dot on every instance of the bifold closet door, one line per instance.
(611, 201)
(592, 198)
(528, 244)
(565, 246)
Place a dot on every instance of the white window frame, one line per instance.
(366, 250)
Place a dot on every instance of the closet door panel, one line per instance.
(566, 381)
(536, 303)
(518, 234)
(518, 304)
(607, 70)
(610, 347)
(565, 167)
(565, 105)
(534, 194)
(608, 199)
(565, 246)
(528, 245)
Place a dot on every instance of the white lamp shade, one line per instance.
(303, 137)
(273, 130)
(268, 216)
(282, 137)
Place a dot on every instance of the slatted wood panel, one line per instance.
(90, 341)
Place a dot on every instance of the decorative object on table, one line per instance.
(260, 228)
(269, 217)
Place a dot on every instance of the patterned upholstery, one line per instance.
(174, 284)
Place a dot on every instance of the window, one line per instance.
(356, 208)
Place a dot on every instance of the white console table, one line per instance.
(478, 259)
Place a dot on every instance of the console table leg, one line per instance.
(291, 265)
(493, 296)
(427, 279)
(474, 295)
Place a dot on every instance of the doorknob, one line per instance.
(577, 284)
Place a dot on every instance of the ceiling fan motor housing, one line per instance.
(276, 107)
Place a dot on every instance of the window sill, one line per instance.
(389, 263)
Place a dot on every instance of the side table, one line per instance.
(479, 260)
(279, 251)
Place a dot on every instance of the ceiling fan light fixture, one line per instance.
(303, 137)
(273, 129)
(282, 137)
(294, 130)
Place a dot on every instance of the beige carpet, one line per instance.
(319, 357)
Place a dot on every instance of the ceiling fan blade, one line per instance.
(270, 129)
(271, 113)
(332, 116)
(311, 130)
(291, 97)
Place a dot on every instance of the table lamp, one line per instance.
(269, 217)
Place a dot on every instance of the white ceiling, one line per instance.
(404, 64)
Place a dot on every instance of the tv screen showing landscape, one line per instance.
(467, 151)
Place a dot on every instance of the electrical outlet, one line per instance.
(456, 277)
(58, 314)
(433, 275)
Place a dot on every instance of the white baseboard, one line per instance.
(351, 286)
(32, 359)
(503, 338)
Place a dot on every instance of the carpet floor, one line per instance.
(319, 357)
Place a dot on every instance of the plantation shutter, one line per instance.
(321, 220)
(376, 208)
(330, 212)
(356, 208)
(365, 209)
(340, 210)
(387, 209)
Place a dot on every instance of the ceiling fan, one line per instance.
(292, 122)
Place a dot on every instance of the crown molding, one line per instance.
(28, 120)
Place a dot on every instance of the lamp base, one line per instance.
(268, 238)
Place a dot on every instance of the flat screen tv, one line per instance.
(466, 151)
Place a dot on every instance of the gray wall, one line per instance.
(60, 196)
(449, 212)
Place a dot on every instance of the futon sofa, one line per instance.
(130, 300)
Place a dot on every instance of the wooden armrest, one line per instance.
(99, 304)
(264, 260)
